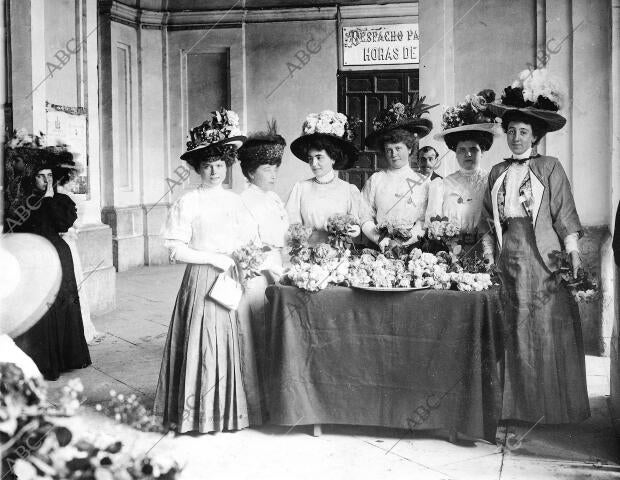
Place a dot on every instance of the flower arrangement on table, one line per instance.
(400, 235)
(584, 288)
(35, 448)
(249, 260)
(313, 268)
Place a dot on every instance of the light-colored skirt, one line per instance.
(200, 385)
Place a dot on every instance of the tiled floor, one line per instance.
(128, 360)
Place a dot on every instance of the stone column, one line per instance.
(30, 73)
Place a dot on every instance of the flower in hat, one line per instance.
(401, 116)
(472, 111)
(331, 125)
(536, 95)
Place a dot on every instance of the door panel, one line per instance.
(362, 95)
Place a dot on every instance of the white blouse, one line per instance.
(209, 219)
(459, 197)
(269, 213)
(398, 196)
(311, 204)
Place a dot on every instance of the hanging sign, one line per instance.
(380, 45)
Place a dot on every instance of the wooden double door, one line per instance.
(362, 95)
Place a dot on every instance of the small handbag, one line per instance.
(226, 291)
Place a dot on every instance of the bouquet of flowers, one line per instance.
(441, 235)
(472, 110)
(130, 411)
(338, 227)
(584, 288)
(249, 260)
(297, 239)
(331, 123)
(395, 231)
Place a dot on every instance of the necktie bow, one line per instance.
(519, 161)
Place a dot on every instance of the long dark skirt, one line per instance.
(56, 342)
(545, 376)
(200, 386)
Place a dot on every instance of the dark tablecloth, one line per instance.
(422, 359)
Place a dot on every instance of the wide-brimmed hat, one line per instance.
(36, 155)
(470, 120)
(400, 117)
(214, 134)
(483, 133)
(30, 280)
(535, 96)
(328, 126)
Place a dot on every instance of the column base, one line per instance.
(99, 282)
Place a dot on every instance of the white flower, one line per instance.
(310, 123)
(338, 129)
(341, 117)
(24, 470)
(233, 118)
(324, 126)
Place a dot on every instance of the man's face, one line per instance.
(426, 162)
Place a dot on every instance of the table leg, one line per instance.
(316, 432)
(453, 435)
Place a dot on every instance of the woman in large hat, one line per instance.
(200, 386)
(325, 144)
(528, 212)
(468, 130)
(397, 195)
(260, 158)
(56, 341)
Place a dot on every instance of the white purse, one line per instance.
(226, 291)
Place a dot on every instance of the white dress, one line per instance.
(459, 197)
(396, 196)
(200, 384)
(312, 203)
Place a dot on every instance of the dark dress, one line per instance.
(544, 374)
(56, 342)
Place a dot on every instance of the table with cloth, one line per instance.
(423, 359)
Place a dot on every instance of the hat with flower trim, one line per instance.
(534, 95)
(399, 116)
(213, 136)
(333, 126)
(470, 120)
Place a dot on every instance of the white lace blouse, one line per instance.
(209, 219)
(268, 211)
(459, 197)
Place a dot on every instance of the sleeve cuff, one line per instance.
(571, 242)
